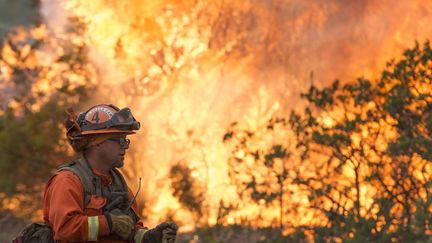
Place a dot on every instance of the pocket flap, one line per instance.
(96, 202)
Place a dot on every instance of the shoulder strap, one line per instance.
(118, 181)
(91, 183)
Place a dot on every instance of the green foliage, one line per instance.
(28, 146)
(31, 119)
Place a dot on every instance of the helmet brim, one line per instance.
(104, 131)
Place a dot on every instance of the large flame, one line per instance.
(190, 68)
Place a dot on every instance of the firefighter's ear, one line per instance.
(96, 146)
(97, 141)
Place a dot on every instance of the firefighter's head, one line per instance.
(102, 129)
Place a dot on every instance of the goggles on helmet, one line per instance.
(122, 120)
(105, 119)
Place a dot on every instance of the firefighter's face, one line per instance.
(114, 150)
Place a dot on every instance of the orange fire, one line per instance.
(190, 68)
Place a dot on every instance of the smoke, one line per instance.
(55, 15)
(189, 69)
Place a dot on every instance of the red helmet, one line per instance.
(100, 119)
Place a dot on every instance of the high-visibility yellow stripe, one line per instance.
(93, 228)
(139, 235)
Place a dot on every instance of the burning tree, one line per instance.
(368, 147)
(188, 191)
(182, 64)
(364, 153)
(260, 165)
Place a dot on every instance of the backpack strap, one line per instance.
(91, 183)
(119, 182)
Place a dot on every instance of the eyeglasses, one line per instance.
(124, 142)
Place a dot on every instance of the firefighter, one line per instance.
(88, 198)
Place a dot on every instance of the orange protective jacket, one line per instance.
(65, 213)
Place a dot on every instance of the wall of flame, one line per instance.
(190, 68)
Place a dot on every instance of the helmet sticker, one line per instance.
(99, 114)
